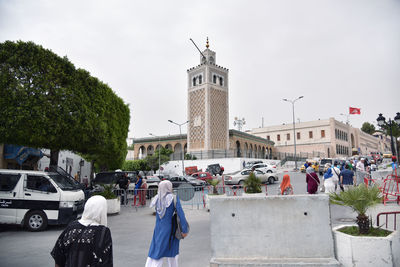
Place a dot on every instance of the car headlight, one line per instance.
(67, 204)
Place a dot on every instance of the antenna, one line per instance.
(197, 47)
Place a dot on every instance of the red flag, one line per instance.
(354, 110)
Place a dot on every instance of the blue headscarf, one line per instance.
(328, 174)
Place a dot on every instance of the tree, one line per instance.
(136, 165)
(360, 199)
(164, 157)
(368, 128)
(45, 102)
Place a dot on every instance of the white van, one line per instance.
(35, 199)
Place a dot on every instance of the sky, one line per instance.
(335, 53)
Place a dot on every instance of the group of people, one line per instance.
(88, 242)
(139, 191)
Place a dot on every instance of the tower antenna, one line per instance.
(197, 48)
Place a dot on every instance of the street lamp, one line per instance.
(180, 133)
(294, 128)
(159, 153)
(382, 122)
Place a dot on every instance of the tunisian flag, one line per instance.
(354, 110)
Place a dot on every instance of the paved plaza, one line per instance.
(132, 231)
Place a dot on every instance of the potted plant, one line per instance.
(113, 202)
(354, 244)
(252, 185)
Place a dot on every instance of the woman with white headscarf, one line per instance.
(86, 242)
(164, 243)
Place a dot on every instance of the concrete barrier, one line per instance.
(271, 231)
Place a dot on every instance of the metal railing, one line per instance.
(386, 214)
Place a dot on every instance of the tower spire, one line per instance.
(207, 44)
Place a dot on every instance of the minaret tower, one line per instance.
(208, 109)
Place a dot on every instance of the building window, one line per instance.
(194, 81)
(278, 137)
(214, 78)
(268, 137)
(310, 134)
(322, 133)
(200, 79)
(298, 135)
(288, 137)
(221, 81)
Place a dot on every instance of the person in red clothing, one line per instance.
(312, 180)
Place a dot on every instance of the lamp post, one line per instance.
(159, 153)
(294, 128)
(382, 122)
(180, 133)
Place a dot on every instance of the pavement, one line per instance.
(132, 230)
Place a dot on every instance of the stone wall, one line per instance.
(263, 229)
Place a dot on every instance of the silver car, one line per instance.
(238, 178)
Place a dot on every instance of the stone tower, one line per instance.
(208, 109)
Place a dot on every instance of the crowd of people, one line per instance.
(336, 176)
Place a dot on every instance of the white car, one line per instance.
(238, 178)
(264, 167)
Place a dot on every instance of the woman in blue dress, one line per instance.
(164, 244)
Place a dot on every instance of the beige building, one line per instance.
(321, 138)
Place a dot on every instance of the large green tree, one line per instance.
(45, 102)
(368, 128)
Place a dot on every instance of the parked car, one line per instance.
(215, 169)
(249, 164)
(238, 178)
(111, 178)
(205, 176)
(178, 180)
(35, 199)
(264, 167)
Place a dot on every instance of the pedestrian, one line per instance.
(395, 165)
(312, 180)
(335, 174)
(285, 188)
(123, 183)
(142, 193)
(164, 243)
(329, 184)
(138, 184)
(347, 178)
(86, 242)
(360, 173)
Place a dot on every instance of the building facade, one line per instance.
(321, 138)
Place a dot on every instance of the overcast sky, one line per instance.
(337, 54)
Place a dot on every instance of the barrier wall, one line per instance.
(271, 229)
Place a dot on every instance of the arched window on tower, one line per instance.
(221, 81)
(214, 78)
(200, 79)
(194, 81)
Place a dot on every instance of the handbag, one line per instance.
(177, 223)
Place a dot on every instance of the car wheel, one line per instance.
(241, 183)
(271, 180)
(36, 221)
(269, 171)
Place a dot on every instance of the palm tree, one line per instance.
(252, 184)
(360, 199)
(214, 183)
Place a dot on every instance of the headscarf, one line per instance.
(95, 212)
(163, 198)
(310, 170)
(285, 183)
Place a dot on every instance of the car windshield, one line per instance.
(323, 161)
(105, 178)
(65, 183)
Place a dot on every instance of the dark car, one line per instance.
(215, 169)
(111, 178)
(178, 180)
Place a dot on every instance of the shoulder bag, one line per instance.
(176, 221)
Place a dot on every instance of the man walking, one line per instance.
(347, 178)
(360, 167)
(123, 183)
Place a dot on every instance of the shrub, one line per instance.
(252, 184)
